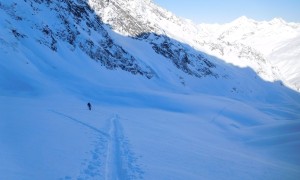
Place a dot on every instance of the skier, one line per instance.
(89, 106)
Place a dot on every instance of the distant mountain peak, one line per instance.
(243, 20)
(277, 21)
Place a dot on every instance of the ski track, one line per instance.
(111, 158)
(121, 162)
(82, 123)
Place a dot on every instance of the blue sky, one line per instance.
(223, 11)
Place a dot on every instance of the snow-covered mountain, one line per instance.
(68, 23)
(265, 39)
(244, 42)
(170, 99)
(144, 20)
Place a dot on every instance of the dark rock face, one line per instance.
(138, 27)
(77, 26)
(183, 56)
(74, 23)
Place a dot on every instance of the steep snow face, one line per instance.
(73, 24)
(286, 57)
(265, 38)
(69, 34)
(148, 22)
(70, 24)
(135, 17)
(116, 14)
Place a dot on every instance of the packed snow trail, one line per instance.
(111, 153)
(121, 161)
(113, 160)
(92, 166)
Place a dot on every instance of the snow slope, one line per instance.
(63, 140)
(150, 120)
(286, 56)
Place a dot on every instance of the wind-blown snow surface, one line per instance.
(171, 126)
(57, 137)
